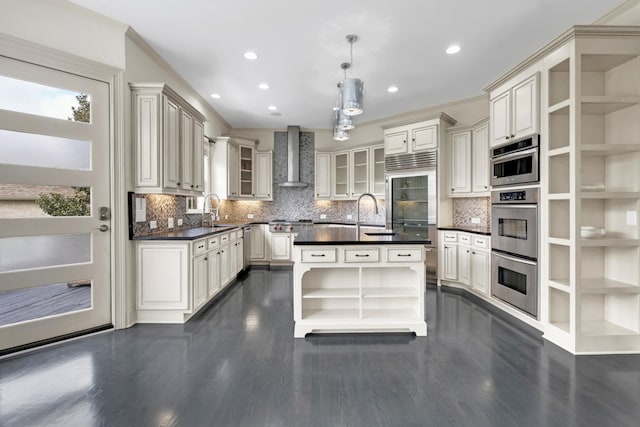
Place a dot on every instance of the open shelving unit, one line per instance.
(591, 287)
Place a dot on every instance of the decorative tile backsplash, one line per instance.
(474, 207)
(288, 202)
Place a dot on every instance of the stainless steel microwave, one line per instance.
(516, 162)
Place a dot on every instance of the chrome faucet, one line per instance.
(214, 215)
(375, 203)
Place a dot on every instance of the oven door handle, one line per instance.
(515, 155)
(508, 206)
(514, 259)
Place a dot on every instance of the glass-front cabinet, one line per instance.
(246, 171)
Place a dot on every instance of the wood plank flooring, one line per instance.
(239, 365)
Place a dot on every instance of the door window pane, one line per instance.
(43, 201)
(33, 98)
(26, 252)
(30, 149)
(21, 305)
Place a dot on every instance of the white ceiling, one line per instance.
(301, 44)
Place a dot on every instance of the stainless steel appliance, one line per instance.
(514, 244)
(516, 162)
(286, 226)
(411, 201)
(246, 236)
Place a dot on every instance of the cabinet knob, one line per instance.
(473, 253)
(206, 259)
(404, 142)
(191, 186)
(453, 189)
(217, 253)
(268, 195)
(506, 137)
(413, 139)
(512, 136)
(253, 195)
(317, 194)
(178, 184)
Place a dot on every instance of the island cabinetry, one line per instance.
(168, 141)
(359, 288)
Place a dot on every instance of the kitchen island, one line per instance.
(373, 281)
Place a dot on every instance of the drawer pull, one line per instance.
(404, 254)
(316, 255)
(361, 255)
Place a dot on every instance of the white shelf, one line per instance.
(391, 314)
(557, 241)
(559, 151)
(331, 293)
(603, 285)
(602, 327)
(559, 196)
(608, 149)
(609, 242)
(606, 104)
(610, 194)
(563, 326)
(560, 284)
(337, 314)
(561, 107)
(389, 292)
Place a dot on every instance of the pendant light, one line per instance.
(338, 133)
(351, 88)
(344, 122)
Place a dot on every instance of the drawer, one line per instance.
(450, 237)
(225, 238)
(318, 255)
(212, 242)
(361, 255)
(199, 247)
(465, 239)
(404, 255)
(481, 242)
(232, 236)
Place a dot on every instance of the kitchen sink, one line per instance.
(381, 233)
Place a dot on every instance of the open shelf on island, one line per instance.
(390, 292)
(336, 314)
(331, 293)
(390, 314)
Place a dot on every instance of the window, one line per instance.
(194, 204)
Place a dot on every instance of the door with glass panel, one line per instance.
(54, 204)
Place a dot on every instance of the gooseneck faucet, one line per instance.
(375, 203)
(214, 211)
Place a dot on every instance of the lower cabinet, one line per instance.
(174, 279)
(281, 247)
(259, 236)
(465, 258)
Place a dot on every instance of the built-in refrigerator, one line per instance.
(411, 208)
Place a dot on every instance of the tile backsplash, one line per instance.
(474, 207)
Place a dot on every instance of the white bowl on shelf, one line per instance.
(589, 232)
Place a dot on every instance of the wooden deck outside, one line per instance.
(28, 304)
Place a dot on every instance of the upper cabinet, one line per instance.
(168, 138)
(323, 175)
(239, 171)
(411, 138)
(515, 111)
(469, 160)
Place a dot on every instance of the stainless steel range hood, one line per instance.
(293, 158)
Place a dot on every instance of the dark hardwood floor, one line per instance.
(238, 365)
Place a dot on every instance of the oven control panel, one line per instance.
(525, 195)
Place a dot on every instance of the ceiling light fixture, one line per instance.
(392, 89)
(454, 48)
(251, 55)
(263, 86)
(215, 96)
(338, 133)
(272, 107)
(351, 88)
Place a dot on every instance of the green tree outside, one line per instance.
(55, 204)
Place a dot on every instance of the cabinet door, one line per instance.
(233, 259)
(464, 265)
(213, 272)
(224, 265)
(264, 180)
(359, 172)
(199, 281)
(233, 164)
(460, 158)
(450, 257)
(424, 138)
(280, 247)
(500, 110)
(376, 166)
(395, 142)
(162, 276)
(525, 108)
(186, 151)
(340, 175)
(171, 144)
(146, 139)
(323, 176)
(480, 271)
(258, 247)
(480, 159)
(246, 172)
(239, 245)
(198, 157)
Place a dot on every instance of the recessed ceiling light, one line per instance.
(263, 86)
(392, 89)
(454, 48)
(215, 96)
(272, 107)
(251, 55)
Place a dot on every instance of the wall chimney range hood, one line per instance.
(293, 159)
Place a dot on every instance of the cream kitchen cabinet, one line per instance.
(469, 160)
(341, 175)
(323, 174)
(168, 141)
(466, 259)
(235, 171)
(259, 235)
(280, 247)
(264, 175)
(449, 256)
(411, 138)
(515, 112)
(376, 168)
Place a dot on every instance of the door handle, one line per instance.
(103, 228)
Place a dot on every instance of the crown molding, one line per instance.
(616, 12)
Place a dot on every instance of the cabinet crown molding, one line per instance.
(440, 116)
(468, 127)
(166, 90)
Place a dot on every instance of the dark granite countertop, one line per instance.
(347, 236)
(188, 234)
(362, 224)
(485, 231)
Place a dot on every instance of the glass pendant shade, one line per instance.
(352, 95)
(340, 135)
(344, 122)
